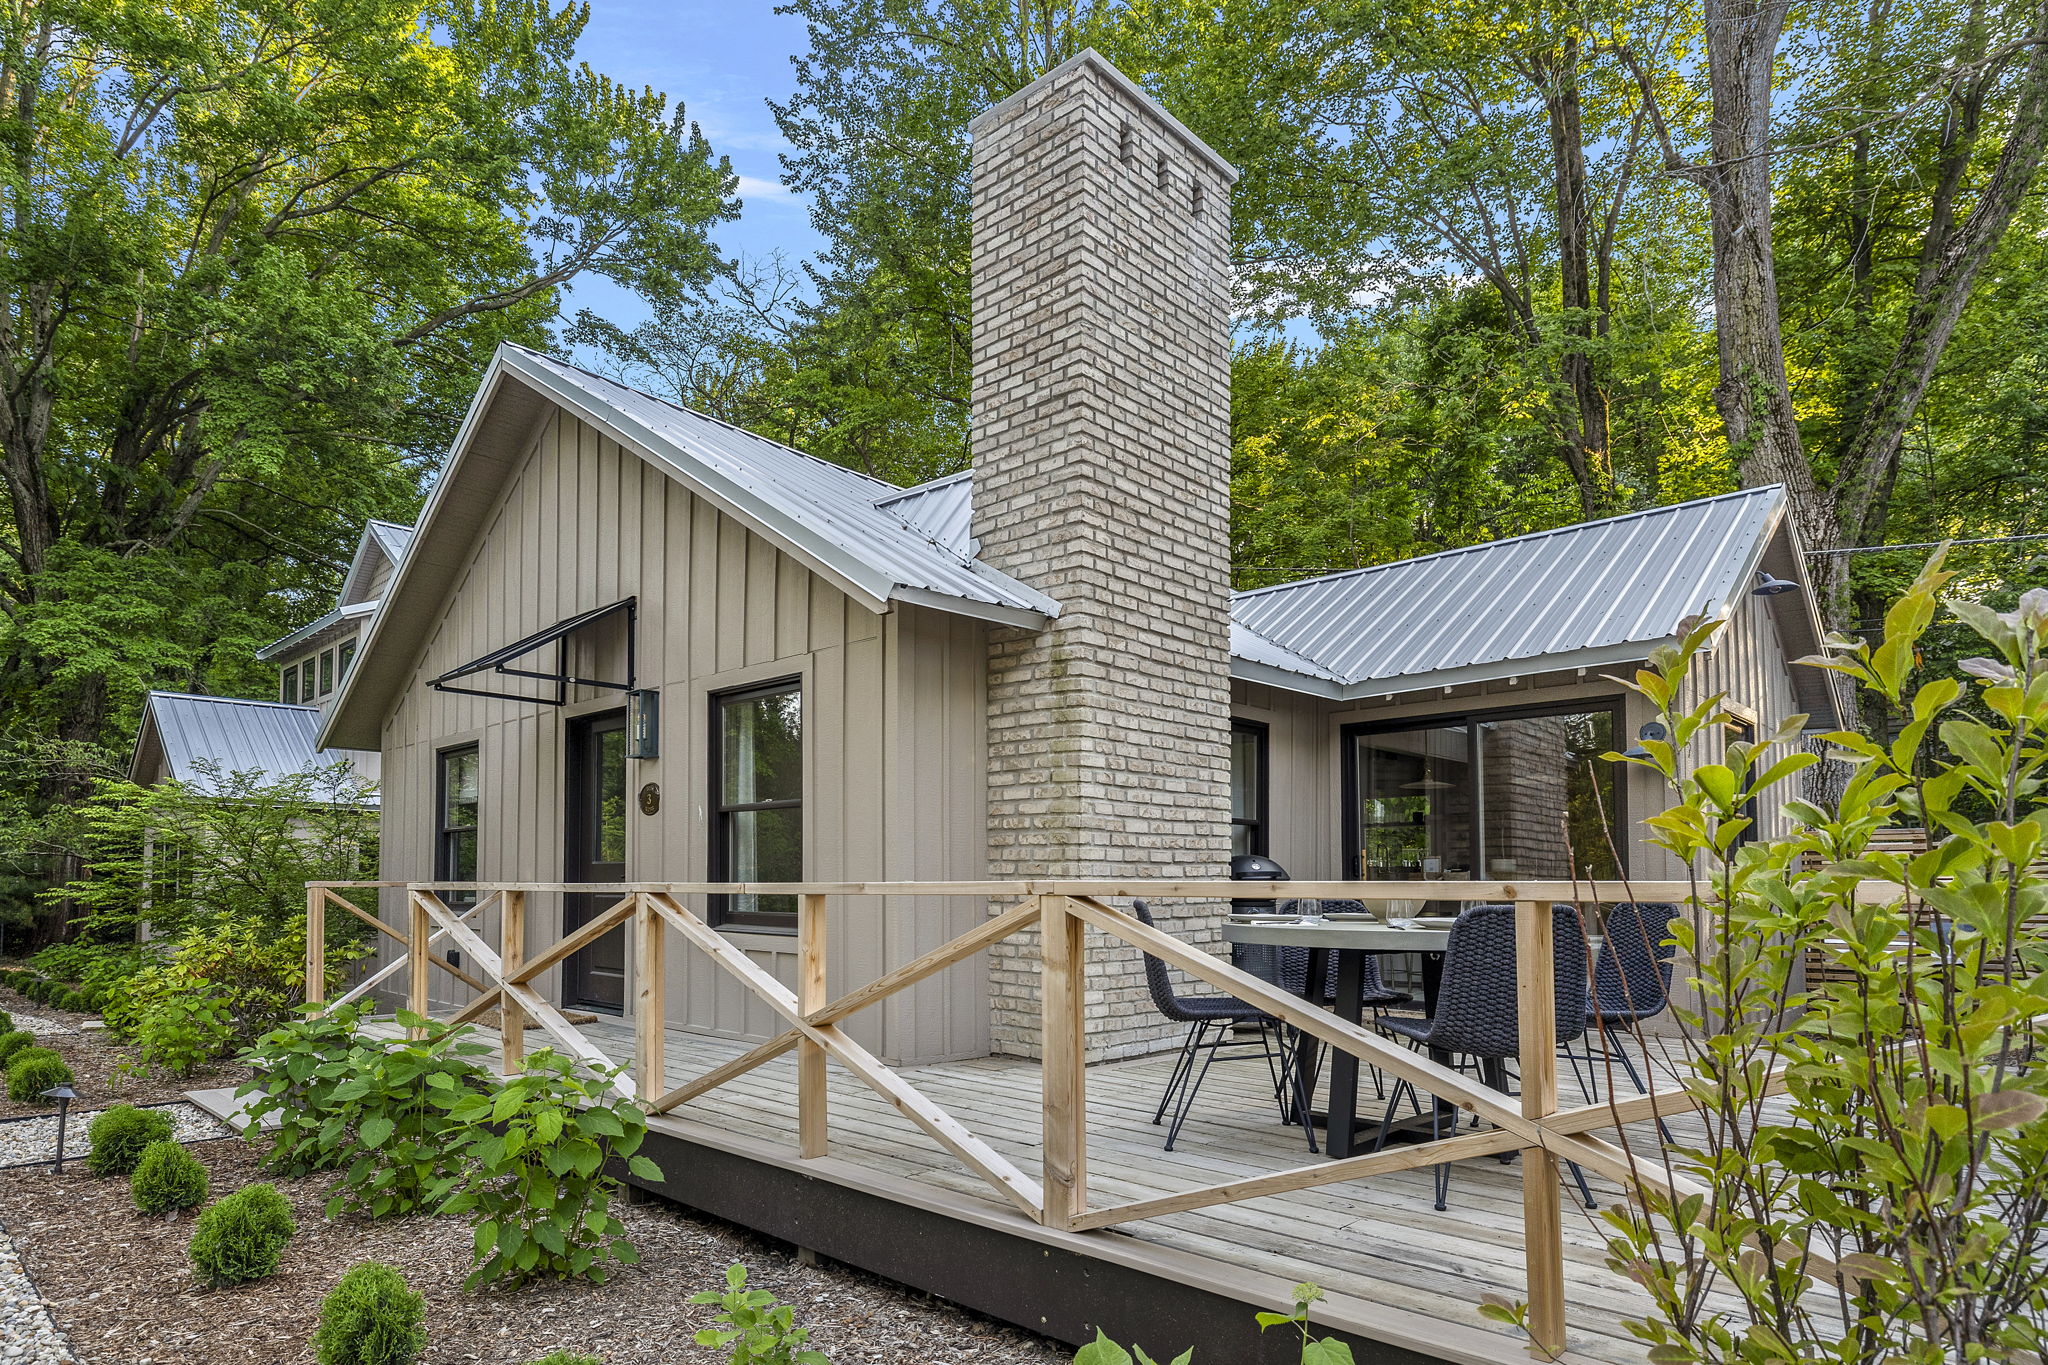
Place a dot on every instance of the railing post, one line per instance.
(1542, 1220)
(1063, 984)
(417, 962)
(511, 957)
(316, 945)
(811, 1120)
(650, 999)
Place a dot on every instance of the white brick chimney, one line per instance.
(1102, 476)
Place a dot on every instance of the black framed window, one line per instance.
(308, 678)
(290, 691)
(1250, 786)
(343, 656)
(1743, 732)
(757, 784)
(1492, 795)
(326, 671)
(456, 799)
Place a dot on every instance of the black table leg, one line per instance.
(1306, 1049)
(1343, 1127)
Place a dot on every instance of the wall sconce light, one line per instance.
(1768, 585)
(1651, 730)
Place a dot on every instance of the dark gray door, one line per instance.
(595, 978)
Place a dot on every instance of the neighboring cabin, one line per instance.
(634, 643)
(191, 738)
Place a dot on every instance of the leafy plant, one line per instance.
(166, 1179)
(371, 1317)
(240, 1238)
(1895, 1204)
(540, 1192)
(12, 1042)
(1103, 1351)
(34, 1070)
(568, 1358)
(120, 1135)
(754, 1328)
(1314, 1350)
(375, 1109)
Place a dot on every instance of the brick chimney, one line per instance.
(1102, 477)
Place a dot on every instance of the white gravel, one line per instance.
(27, 1335)
(42, 1028)
(23, 1141)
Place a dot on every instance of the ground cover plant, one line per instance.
(167, 1178)
(372, 1317)
(754, 1327)
(119, 1136)
(1894, 1205)
(241, 1235)
(34, 1070)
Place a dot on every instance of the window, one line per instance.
(326, 671)
(1741, 731)
(343, 657)
(307, 679)
(290, 692)
(455, 822)
(1492, 796)
(757, 774)
(1248, 787)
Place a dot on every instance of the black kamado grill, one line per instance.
(1251, 867)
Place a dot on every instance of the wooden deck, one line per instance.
(1396, 1270)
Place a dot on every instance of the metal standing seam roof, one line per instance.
(942, 509)
(236, 735)
(837, 516)
(1596, 593)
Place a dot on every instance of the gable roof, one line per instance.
(835, 521)
(180, 731)
(383, 543)
(1592, 595)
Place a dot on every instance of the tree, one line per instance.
(256, 257)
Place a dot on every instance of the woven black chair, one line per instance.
(1631, 982)
(1213, 1023)
(1477, 1014)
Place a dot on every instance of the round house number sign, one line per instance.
(650, 798)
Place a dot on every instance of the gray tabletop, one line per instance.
(1354, 934)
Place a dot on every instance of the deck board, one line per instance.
(1376, 1243)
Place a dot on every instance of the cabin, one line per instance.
(634, 652)
(197, 739)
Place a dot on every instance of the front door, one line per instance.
(595, 978)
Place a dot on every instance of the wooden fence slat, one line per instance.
(316, 944)
(1542, 1219)
(586, 934)
(726, 1071)
(416, 998)
(811, 995)
(650, 997)
(1063, 1065)
(511, 957)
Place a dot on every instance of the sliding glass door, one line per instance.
(1490, 795)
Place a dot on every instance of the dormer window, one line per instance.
(345, 655)
(307, 679)
(326, 671)
(290, 692)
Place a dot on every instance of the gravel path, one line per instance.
(27, 1336)
(24, 1141)
(41, 1027)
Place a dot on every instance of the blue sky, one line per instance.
(723, 62)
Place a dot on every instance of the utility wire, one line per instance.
(1928, 544)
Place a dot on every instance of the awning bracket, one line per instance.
(499, 661)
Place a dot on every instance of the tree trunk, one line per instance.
(1585, 409)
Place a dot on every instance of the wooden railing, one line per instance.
(1058, 1195)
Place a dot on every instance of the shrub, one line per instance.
(6, 1022)
(119, 1136)
(167, 1178)
(755, 1328)
(371, 1318)
(34, 1070)
(13, 1042)
(539, 1192)
(376, 1109)
(76, 1002)
(242, 1236)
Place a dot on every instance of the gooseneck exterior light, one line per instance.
(1769, 585)
(63, 1094)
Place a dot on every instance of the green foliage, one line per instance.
(539, 1191)
(120, 1135)
(753, 1328)
(1904, 1179)
(1314, 1350)
(371, 1317)
(1103, 1351)
(13, 1042)
(374, 1110)
(34, 1070)
(167, 1178)
(568, 1358)
(241, 1236)
(220, 985)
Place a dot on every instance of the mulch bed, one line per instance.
(120, 1286)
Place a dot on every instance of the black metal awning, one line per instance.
(498, 661)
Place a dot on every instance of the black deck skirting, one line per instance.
(1049, 1290)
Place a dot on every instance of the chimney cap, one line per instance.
(1089, 57)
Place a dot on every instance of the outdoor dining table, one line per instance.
(1350, 940)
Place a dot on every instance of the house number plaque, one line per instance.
(650, 798)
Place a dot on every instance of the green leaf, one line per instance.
(1102, 1351)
